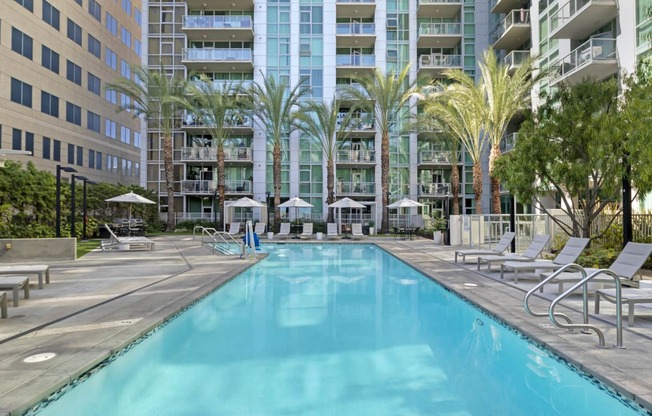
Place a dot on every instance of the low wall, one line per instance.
(37, 250)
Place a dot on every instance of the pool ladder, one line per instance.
(585, 326)
(220, 241)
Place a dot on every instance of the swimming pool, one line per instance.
(321, 329)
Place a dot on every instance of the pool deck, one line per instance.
(99, 304)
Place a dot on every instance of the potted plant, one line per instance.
(440, 225)
(372, 230)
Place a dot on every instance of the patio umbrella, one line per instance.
(405, 203)
(243, 202)
(297, 203)
(345, 203)
(130, 198)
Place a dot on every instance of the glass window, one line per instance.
(93, 121)
(50, 15)
(91, 159)
(29, 142)
(49, 104)
(17, 139)
(56, 150)
(73, 72)
(80, 156)
(126, 36)
(46, 148)
(126, 6)
(71, 154)
(94, 46)
(73, 114)
(28, 4)
(74, 32)
(50, 59)
(21, 92)
(111, 59)
(94, 84)
(111, 24)
(95, 10)
(98, 160)
(21, 43)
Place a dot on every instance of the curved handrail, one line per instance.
(215, 236)
(585, 324)
(526, 301)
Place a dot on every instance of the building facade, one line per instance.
(56, 57)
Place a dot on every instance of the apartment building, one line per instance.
(56, 57)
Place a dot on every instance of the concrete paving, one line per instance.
(99, 304)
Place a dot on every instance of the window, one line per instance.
(29, 142)
(79, 2)
(126, 36)
(93, 121)
(49, 104)
(392, 55)
(125, 102)
(111, 59)
(28, 4)
(94, 46)
(73, 72)
(21, 92)
(50, 15)
(56, 153)
(21, 43)
(98, 160)
(71, 154)
(95, 10)
(110, 128)
(111, 96)
(80, 156)
(91, 159)
(137, 139)
(17, 139)
(94, 84)
(125, 135)
(111, 24)
(74, 32)
(126, 6)
(49, 59)
(73, 114)
(125, 69)
(46, 148)
(137, 47)
(138, 17)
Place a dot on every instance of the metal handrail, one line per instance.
(539, 286)
(585, 307)
(215, 236)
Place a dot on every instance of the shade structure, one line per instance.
(130, 198)
(405, 203)
(244, 202)
(296, 202)
(345, 202)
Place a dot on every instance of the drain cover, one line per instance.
(470, 284)
(37, 358)
(546, 326)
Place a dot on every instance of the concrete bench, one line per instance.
(15, 283)
(3, 305)
(42, 270)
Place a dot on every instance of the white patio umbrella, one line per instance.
(345, 202)
(405, 203)
(130, 198)
(244, 202)
(296, 203)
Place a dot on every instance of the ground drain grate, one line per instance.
(37, 358)
(546, 325)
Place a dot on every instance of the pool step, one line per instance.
(226, 249)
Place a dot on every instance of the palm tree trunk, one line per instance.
(477, 186)
(168, 164)
(384, 178)
(330, 185)
(495, 181)
(455, 185)
(221, 179)
(277, 180)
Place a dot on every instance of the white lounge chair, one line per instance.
(126, 243)
(569, 254)
(530, 254)
(356, 231)
(260, 228)
(307, 230)
(331, 230)
(234, 228)
(501, 246)
(284, 232)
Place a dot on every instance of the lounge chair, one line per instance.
(356, 231)
(569, 254)
(629, 296)
(126, 243)
(628, 262)
(234, 228)
(530, 254)
(284, 232)
(307, 230)
(260, 228)
(331, 230)
(502, 245)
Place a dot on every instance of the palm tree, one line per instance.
(214, 104)
(319, 120)
(457, 110)
(384, 95)
(155, 94)
(273, 105)
(505, 96)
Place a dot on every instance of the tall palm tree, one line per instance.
(155, 94)
(319, 120)
(216, 104)
(273, 103)
(385, 95)
(505, 96)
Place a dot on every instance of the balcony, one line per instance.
(433, 189)
(221, 85)
(644, 36)
(515, 59)
(356, 35)
(216, 28)
(507, 142)
(238, 154)
(595, 59)
(195, 187)
(439, 35)
(359, 126)
(354, 65)
(434, 65)
(434, 157)
(356, 8)
(577, 19)
(221, 4)
(439, 8)
(198, 154)
(218, 59)
(513, 31)
(355, 157)
(356, 189)
(238, 187)
(341, 89)
(237, 121)
(505, 6)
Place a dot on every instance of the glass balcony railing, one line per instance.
(357, 188)
(440, 61)
(341, 89)
(440, 29)
(220, 85)
(217, 54)
(433, 189)
(356, 29)
(515, 17)
(644, 36)
(514, 59)
(356, 1)
(508, 142)
(434, 156)
(238, 186)
(237, 153)
(363, 155)
(595, 49)
(217, 22)
(199, 153)
(355, 60)
(440, 1)
(234, 119)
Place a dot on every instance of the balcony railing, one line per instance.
(199, 153)
(356, 29)
(220, 85)
(340, 89)
(644, 36)
(440, 61)
(235, 119)
(440, 28)
(238, 187)
(197, 187)
(217, 54)
(347, 156)
(595, 49)
(515, 59)
(508, 141)
(439, 1)
(434, 156)
(356, 1)
(361, 122)
(216, 22)
(355, 60)
(515, 17)
(358, 188)
(433, 189)
(237, 153)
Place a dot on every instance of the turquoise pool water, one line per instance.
(335, 330)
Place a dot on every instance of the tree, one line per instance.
(214, 106)
(273, 104)
(571, 148)
(505, 96)
(155, 95)
(319, 120)
(385, 96)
